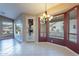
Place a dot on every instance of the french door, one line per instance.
(42, 30)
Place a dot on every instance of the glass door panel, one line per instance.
(73, 26)
(43, 30)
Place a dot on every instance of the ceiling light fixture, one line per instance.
(45, 16)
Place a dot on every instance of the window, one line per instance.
(18, 30)
(56, 27)
(0, 27)
(72, 26)
(6, 28)
(43, 29)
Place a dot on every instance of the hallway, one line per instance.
(14, 48)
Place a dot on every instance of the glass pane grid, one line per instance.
(56, 27)
(73, 26)
(73, 38)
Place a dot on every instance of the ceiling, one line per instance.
(12, 10)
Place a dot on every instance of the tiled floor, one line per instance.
(13, 48)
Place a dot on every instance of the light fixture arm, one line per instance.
(45, 15)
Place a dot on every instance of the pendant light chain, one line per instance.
(46, 8)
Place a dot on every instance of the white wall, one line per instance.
(34, 35)
(24, 19)
(26, 36)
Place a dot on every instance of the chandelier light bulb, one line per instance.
(44, 14)
(48, 15)
(50, 18)
(41, 17)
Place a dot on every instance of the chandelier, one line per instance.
(45, 16)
